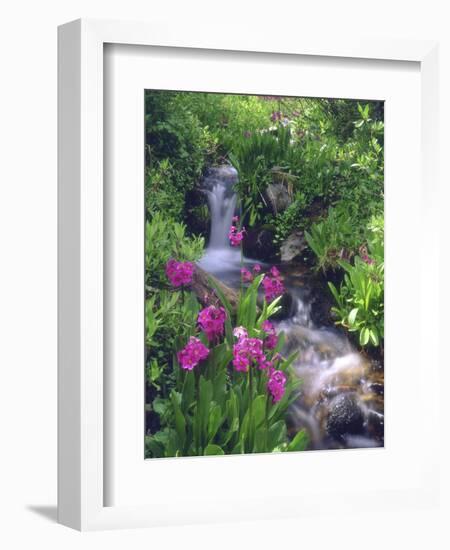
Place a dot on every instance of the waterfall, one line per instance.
(218, 186)
(220, 258)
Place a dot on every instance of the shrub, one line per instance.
(360, 298)
(168, 314)
(165, 239)
(291, 219)
(334, 238)
(178, 148)
(168, 321)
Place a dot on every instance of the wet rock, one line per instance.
(345, 417)
(293, 246)
(376, 387)
(258, 244)
(278, 197)
(198, 217)
(376, 425)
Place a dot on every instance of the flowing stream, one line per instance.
(341, 399)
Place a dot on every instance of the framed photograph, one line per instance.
(236, 222)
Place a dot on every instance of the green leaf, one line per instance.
(352, 316)
(276, 435)
(215, 421)
(374, 336)
(213, 450)
(364, 336)
(300, 442)
(188, 393)
(180, 422)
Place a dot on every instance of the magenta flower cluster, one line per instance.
(248, 352)
(211, 320)
(271, 339)
(273, 284)
(247, 276)
(179, 273)
(192, 353)
(276, 385)
(236, 235)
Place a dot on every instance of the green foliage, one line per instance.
(165, 239)
(169, 319)
(328, 155)
(168, 313)
(334, 238)
(253, 158)
(229, 118)
(214, 411)
(320, 167)
(178, 148)
(291, 219)
(360, 298)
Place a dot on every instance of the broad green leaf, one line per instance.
(364, 336)
(352, 316)
(213, 450)
(300, 442)
(276, 435)
(214, 422)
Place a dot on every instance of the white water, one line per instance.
(328, 365)
(220, 258)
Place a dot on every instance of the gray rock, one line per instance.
(258, 244)
(278, 197)
(345, 416)
(293, 246)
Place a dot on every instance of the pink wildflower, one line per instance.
(211, 320)
(247, 277)
(273, 287)
(236, 236)
(274, 272)
(235, 219)
(271, 340)
(266, 364)
(256, 269)
(191, 355)
(248, 352)
(179, 273)
(276, 385)
(240, 332)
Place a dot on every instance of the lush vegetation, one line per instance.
(212, 409)
(307, 166)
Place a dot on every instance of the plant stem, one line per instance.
(266, 422)
(250, 407)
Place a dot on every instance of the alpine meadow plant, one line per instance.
(360, 298)
(173, 243)
(233, 386)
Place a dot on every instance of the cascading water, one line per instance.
(341, 400)
(340, 403)
(220, 258)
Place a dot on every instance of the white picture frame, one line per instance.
(82, 483)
